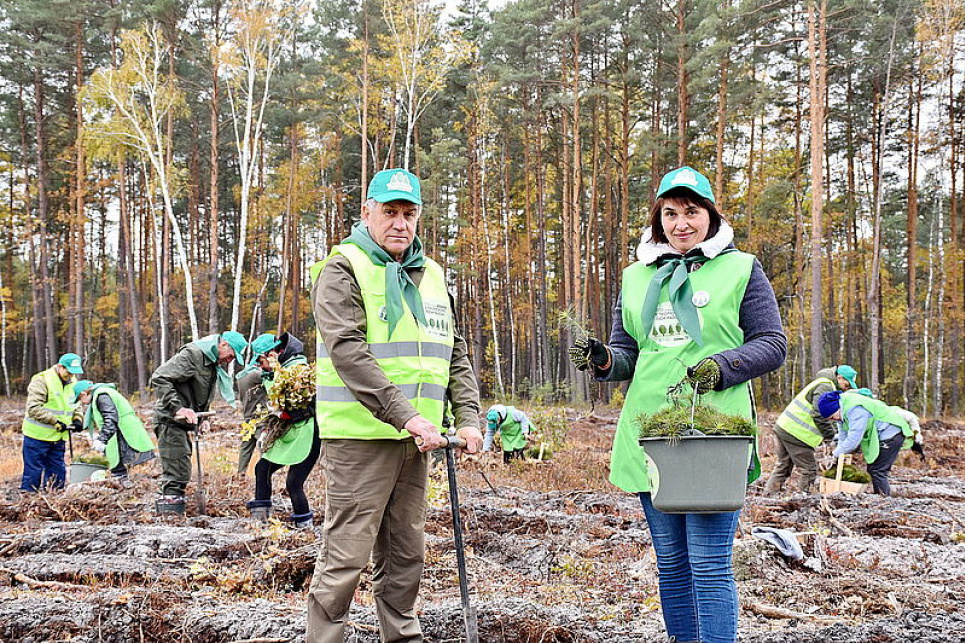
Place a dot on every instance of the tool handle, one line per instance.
(455, 442)
(205, 414)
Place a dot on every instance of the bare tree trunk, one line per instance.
(213, 213)
(816, 25)
(911, 347)
(47, 302)
(130, 278)
(80, 194)
(683, 79)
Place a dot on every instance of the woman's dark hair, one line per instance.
(657, 234)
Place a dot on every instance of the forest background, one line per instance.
(172, 168)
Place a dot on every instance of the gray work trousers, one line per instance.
(174, 448)
(375, 505)
(792, 453)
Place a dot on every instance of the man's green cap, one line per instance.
(848, 373)
(238, 342)
(263, 344)
(395, 185)
(80, 387)
(71, 361)
(689, 178)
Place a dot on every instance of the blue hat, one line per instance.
(80, 387)
(689, 178)
(828, 403)
(238, 342)
(395, 185)
(71, 361)
(847, 373)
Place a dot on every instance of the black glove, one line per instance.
(916, 447)
(589, 350)
(298, 415)
(60, 426)
(704, 376)
(77, 426)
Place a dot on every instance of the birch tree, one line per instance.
(130, 105)
(425, 53)
(263, 28)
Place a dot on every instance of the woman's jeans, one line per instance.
(698, 594)
(881, 467)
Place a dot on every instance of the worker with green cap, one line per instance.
(113, 426)
(185, 385)
(49, 415)
(388, 356)
(800, 429)
(253, 395)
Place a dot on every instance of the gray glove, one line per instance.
(98, 446)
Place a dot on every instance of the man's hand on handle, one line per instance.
(426, 435)
(473, 437)
(187, 415)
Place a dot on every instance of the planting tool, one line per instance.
(200, 500)
(468, 611)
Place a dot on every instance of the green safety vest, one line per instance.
(797, 420)
(59, 397)
(416, 358)
(880, 412)
(511, 432)
(668, 349)
(128, 424)
(295, 445)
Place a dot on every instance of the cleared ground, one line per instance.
(555, 554)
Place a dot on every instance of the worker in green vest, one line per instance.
(694, 307)
(879, 430)
(250, 383)
(49, 415)
(800, 429)
(513, 427)
(298, 447)
(114, 427)
(388, 356)
(185, 385)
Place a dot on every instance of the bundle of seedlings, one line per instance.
(291, 396)
(676, 421)
(849, 473)
(92, 458)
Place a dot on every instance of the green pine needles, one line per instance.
(675, 420)
(849, 473)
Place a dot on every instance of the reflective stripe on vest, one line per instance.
(415, 358)
(796, 419)
(57, 403)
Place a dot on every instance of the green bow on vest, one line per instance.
(677, 271)
(398, 283)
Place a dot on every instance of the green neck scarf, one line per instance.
(676, 270)
(398, 284)
(226, 386)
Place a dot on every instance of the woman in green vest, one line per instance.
(298, 448)
(114, 426)
(513, 427)
(880, 431)
(691, 306)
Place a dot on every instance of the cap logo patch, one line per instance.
(684, 177)
(399, 181)
(75, 362)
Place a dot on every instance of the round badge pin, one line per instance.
(701, 298)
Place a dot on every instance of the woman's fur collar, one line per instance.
(648, 251)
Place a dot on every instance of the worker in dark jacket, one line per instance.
(115, 429)
(253, 396)
(185, 385)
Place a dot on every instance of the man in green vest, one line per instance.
(800, 429)
(388, 358)
(879, 430)
(48, 418)
(115, 429)
(513, 427)
(185, 385)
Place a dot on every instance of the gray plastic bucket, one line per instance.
(82, 471)
(698, 474)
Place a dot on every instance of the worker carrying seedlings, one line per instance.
(186, 385)
(513, 427)
(289, 435)
(114, 427)
(50, 414)
(250, 385)
(800, 429)
(871, 425)
(388, 356)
